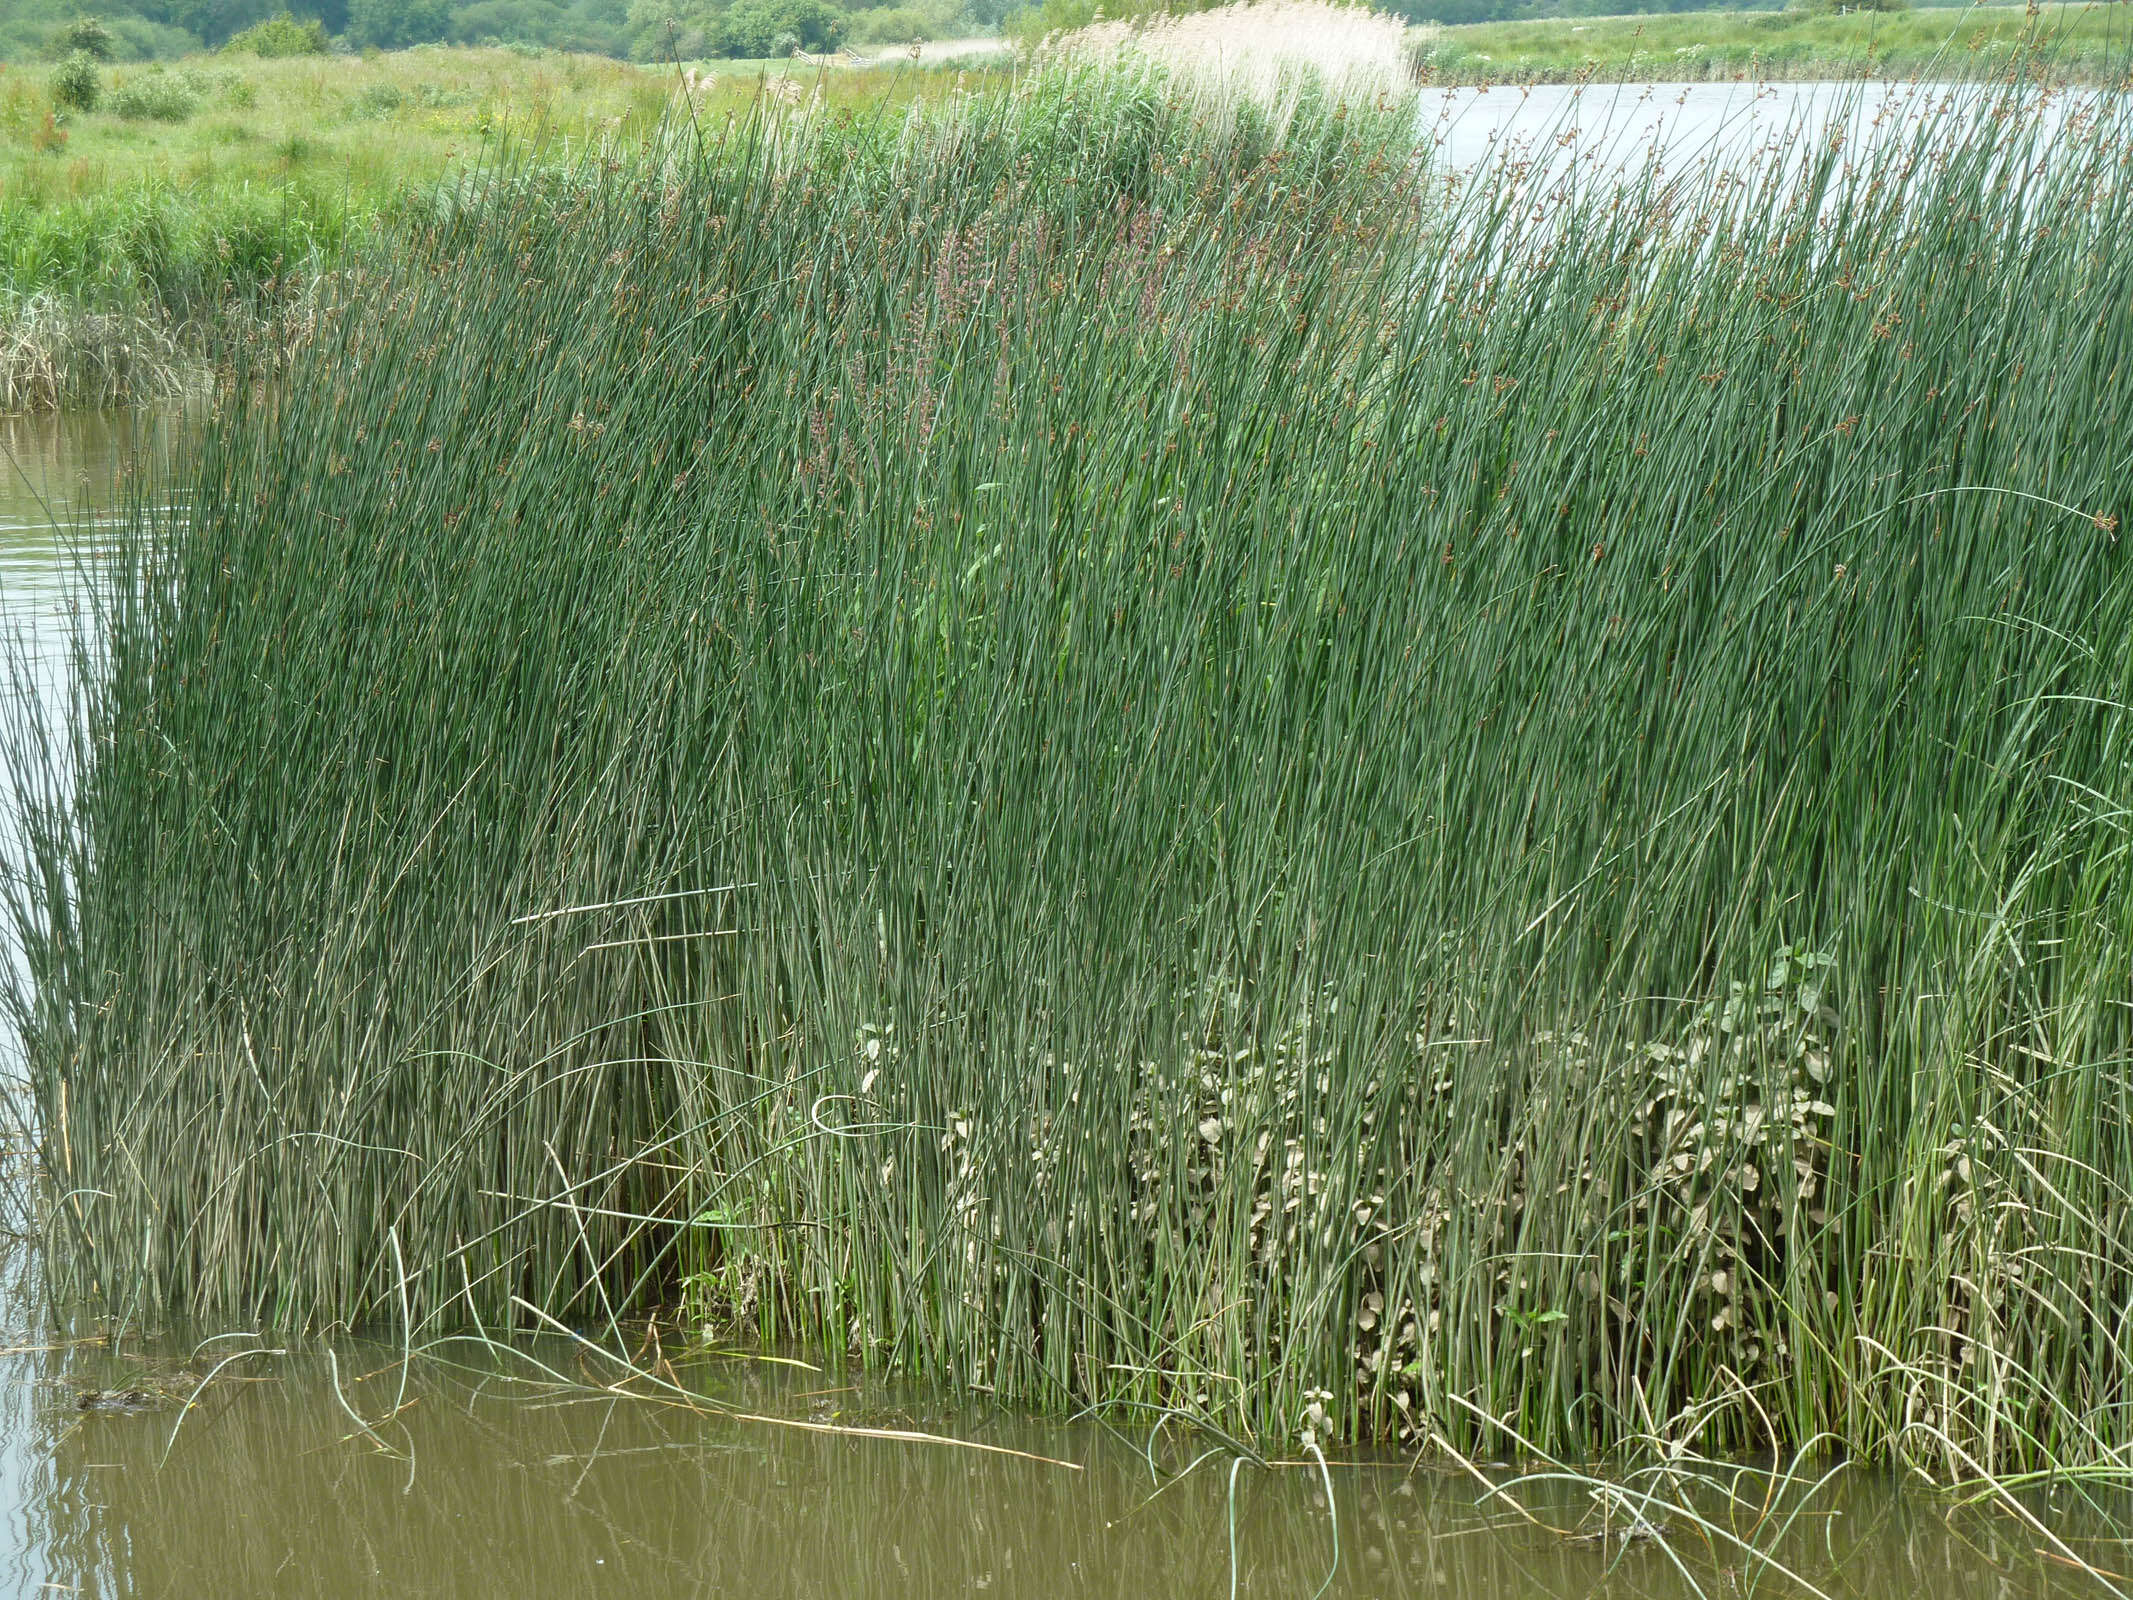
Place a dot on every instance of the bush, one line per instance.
(155, 97)
(752, 27)
(377, 102)
(85, 36)
(281, 36)
(75, 84)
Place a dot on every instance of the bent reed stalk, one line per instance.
(1117, 748)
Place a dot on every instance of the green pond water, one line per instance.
(468, 1477)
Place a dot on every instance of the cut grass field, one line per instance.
(2087, 43)
(1078, 745)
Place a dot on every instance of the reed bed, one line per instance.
(54, 353)
(130, 299)
(1119, 748)
(1251, 46)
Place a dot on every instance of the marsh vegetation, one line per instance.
(1118, 749)
(193, 206)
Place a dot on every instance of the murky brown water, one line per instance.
(465, 1480)
(480, 1487)
(485, 1489)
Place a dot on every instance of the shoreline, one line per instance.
(2056, 46)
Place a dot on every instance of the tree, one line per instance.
(88, 35)
(215, 20)
(510, 21)
(753, 27)
(396, 24)
(658, 29)
(280, 36)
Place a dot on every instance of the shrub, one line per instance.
(155, 97)
(279, 37)
(376, 102)
(75, 84)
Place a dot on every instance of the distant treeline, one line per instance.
(656, 30)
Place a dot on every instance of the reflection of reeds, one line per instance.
(1072, 744)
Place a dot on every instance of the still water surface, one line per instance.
(1681, 127)
(468, 1482)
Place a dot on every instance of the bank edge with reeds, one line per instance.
(1125, 751)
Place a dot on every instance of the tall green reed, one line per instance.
(1113, 747)
(131, 296)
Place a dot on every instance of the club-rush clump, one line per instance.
(1117, 746)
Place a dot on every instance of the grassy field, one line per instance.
(363, 127)
(2090, 43)
(129, 243)
(1069, 746)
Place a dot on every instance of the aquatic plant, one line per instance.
(1116, 748)
(53, 353)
